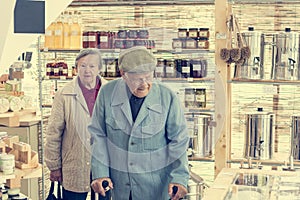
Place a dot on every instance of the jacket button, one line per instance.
(132, 143)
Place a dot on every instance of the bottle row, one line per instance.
(193, 33)
(65, 32)
(59, 69)
(120, 40)
(195, 97)
(166, 68)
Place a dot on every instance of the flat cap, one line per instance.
(137, 60)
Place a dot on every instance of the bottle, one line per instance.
(76, 33)
(66, 30)
(58, 34)
(49, 36)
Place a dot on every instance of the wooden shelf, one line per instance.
(259, 81)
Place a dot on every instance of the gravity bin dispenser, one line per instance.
(259, 137)
(286, 57)
(253, 67)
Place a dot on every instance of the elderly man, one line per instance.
(139, 134)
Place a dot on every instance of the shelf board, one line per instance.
(60, 50)
(205, 159)
(259, 81)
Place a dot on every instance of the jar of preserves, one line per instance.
(129, 43)
(143, 34)
(203, 43)
(133, 34)
(185, 68)
(196, 68)
(103, 40)
(49, 69)
(122, 34)
(200, 97)
(177, 43)
(85, 40)
(119, 44)
(93, 39)
(204, 33)
(111, 68)
(170, 70)
(193, 32)
(160, 68)
(189, 97)
(182, 33)
(191, 43)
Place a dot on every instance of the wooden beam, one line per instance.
(222, 89)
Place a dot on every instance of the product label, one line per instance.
(85, 38)
(196, 67)
(92, 38)
(190, 44)
(193, 34)
(58, 32)
(170, 70)
(200, 98)
(111, 68)
(203, 34)
(48, 32)
(159, 69)
(189, 97)
(201, 44)
(103, 39)
(185, 69)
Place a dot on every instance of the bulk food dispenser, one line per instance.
(259, 137)
(286, 56)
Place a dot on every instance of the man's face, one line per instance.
(138, 83)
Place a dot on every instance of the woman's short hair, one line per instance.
(89, 51)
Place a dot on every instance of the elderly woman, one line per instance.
(67, 149)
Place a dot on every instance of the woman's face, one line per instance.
(139, 83)
(88, 69)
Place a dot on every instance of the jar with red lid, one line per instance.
(103, 40)
(93, 39)
(182, 33)
(139, 42)
(49, 69)
(85, 40)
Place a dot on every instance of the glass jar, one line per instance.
(143, 34)
(85, 40)
(129, 43)
(182, 33)
(185, 68)
(189, 97)
(103, 40)
(190, 43)
(178, 68)
(177, 43)
(193, 32)
(204, 33)
(203, 43)
(200, 97)
(160, 68)
(93, 39)
(170, 70)
(119, 44)
(196, 68)
(132, 34)
(111, 68)
(122, 34)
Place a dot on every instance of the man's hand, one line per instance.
(56, 175)
(97, 185)
(181, 191)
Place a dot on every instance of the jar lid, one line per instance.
(182, 29)
(204, 29)
(193, 29)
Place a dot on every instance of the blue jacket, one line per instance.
(142, 156)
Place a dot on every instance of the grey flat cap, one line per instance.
(137, 60)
